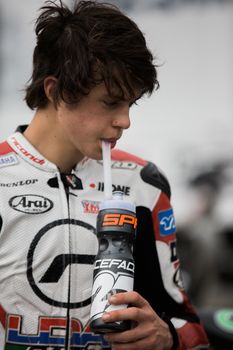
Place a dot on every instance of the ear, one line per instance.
(49, 86)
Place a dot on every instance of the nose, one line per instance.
(122, 120)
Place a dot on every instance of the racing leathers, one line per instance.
(48, 245)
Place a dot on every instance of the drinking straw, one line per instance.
(106, 149)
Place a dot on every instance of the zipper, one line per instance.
(67, 333)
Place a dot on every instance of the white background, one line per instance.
(191, 115)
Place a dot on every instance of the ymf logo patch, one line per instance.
(167, 224)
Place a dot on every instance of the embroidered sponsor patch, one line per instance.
(167, 224)
(31, 204)
(51, 335)
(99, 186)
(8, 159)
(90, 206)
(121, 164)
(19, 183)
(26, 153)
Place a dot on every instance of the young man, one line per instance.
(89, 66)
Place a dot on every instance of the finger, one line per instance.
(124, 337)
(131, 335)
(132, 298)
(141, 344)
(131, 313)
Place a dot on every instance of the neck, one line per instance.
(45, 135)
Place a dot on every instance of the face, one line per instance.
(95, 118)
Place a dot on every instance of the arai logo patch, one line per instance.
(31, 204)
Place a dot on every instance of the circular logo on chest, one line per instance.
(60, 263)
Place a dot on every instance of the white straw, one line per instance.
(106, 149)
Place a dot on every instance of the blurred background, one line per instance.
(185, 127)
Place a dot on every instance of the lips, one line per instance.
(113, 144)
(112, 141)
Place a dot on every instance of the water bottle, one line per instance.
(114, 264)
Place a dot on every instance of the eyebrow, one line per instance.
(113, 98)
(120, 98)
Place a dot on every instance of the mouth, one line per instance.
(112, 141)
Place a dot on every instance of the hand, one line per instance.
(149, 332)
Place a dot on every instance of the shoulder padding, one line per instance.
(123, 156)
(153, 176)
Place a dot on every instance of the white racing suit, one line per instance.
(48, 245)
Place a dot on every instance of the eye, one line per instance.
(112, 103)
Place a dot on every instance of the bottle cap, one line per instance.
(117, 202)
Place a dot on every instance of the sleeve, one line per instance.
(156, 257)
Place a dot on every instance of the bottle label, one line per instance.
(117, 220)
(111, 276)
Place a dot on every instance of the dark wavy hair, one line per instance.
(95, 42)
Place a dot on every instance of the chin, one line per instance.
(96, 155)
(94, 152)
